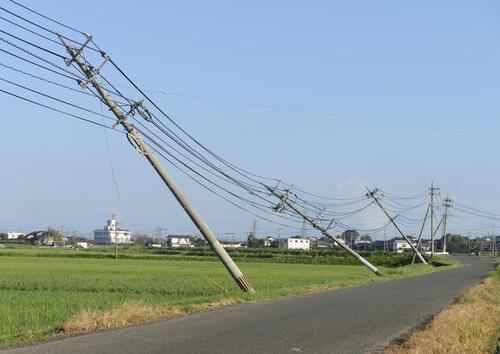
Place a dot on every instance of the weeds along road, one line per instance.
(353, 320)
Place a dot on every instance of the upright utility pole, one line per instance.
(374, 197)
(254, 227)
(419, 240)
(433, 191)
(304, 227)
(493, 241)
(447, 203)
(133, 136)
(385, 239)
(284, 201)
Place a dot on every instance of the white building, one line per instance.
(176, 241)
(400, 246)
(12, 235)
(232, 244)
(111, 233)
(298, 244)
(268, 241)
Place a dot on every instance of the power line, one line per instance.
(46, 17)
(325, 114)
(46, 80)
(39, 58)
(56, 99)
(33, 45)
(58, 110)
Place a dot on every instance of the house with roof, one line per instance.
(298, 243)
(178, 241)
(112, 234)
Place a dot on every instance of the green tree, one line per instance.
(254, 242)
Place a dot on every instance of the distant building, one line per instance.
(298, 243)
(268, 241)
(401, 245)
(111, 233)
(362, 245)
(81, 245)
(233, 244)
(11, 235)
(39, 238)
(176, 241)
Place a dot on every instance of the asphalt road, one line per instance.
(353, 320)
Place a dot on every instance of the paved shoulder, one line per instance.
(353, 320)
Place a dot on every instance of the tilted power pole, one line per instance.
(133, 136)
(372, 195)
(447, 203)
(419, 240)
(323, 230)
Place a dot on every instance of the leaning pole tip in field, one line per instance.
(136, 140)
(323, 230)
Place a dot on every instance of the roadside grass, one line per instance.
(46, 297)
(472, 325)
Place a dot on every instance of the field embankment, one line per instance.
(472, 325)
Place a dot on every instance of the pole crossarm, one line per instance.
(145, 150)
(371, 194)
(284, 201)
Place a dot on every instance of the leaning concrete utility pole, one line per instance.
(323, 230)
(133, 136)
(447, 204)
(372, 195)
(419, 240)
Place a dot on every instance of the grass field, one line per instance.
(42, 297)
(472, 325)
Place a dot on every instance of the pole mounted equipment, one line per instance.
(147, 152)
(372, 194)
(285, 202)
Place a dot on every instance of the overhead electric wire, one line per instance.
(249, 187)
(478, 210)
(40, 58)
(213, 191)
(33, 44)
(47, 80)
(57, 99)
(46, 17)
(58, 110)
(29, 30)
(36, 64)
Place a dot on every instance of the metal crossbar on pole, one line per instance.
(372, 195)
(144, 149)
(323, 230)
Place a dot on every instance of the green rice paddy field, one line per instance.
(38, 295)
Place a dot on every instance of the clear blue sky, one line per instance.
(423, 63)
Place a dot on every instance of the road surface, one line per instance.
(354, 320)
